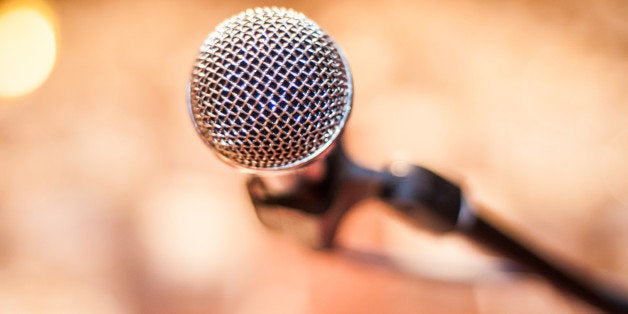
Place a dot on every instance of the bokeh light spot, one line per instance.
(27, 48)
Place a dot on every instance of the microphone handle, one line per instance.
(565, 279)
(425, 197)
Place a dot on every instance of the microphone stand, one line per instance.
(311, 207)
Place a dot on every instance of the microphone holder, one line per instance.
(311, 208)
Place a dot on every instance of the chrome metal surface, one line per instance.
(269, 90)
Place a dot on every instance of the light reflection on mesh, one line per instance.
(269, 89)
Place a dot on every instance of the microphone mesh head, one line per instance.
(269, 90)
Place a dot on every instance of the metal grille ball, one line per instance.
(269, 90)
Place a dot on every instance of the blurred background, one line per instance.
(109, 203)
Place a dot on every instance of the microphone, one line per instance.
(270, 93)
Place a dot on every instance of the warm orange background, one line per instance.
(109, 203)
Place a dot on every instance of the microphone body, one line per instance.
(312, 211)
(270, 93)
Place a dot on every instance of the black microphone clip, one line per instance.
(311, 207)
